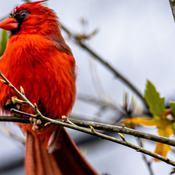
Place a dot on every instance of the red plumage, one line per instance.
(38, 59)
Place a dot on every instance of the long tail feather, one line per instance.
(37, 160)
(66, 159)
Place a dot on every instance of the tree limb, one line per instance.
(94, 133)
(172, 4)
(95, 125)
(80, 42)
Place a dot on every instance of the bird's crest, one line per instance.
(26, 6)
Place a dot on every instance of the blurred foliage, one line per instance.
(3, 41)
(163, 119)
(172, 106)
(155, 102)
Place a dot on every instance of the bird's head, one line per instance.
(32, 18)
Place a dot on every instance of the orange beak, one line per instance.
(9, 24)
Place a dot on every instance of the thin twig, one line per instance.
(92, 131)
(129, 109)
(96, 125)
(104, 63)
(101, 103)
(103, 136)
(172, 4)
(124, 130)
(14, 119)
(148, 163)
(26, 1)
(45, 119)
(117, 74)
(12, 110)
(8, 132)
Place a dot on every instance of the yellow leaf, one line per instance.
(163, 126)
(162, 149)
(165, 131)
(141, 121)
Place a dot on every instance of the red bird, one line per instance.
(38, 59)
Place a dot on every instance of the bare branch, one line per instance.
(101, 103)
(125, 130)
(172, 4)
(148, 163)
(80, 42)
(104, 63)
(95, 125)
(103, 136)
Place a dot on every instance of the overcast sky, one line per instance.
(135, 36)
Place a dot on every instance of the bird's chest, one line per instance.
(51, 88)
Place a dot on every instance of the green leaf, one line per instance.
(172, 106)
(3, 41)
(155, 102)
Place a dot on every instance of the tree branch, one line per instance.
(94, 133)
(125, 130)
(80, 42)
(71, 124)
(99, 102)
(95, 125)
(172, 4)
(148, 163)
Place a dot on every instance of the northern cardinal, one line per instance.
(38, 59)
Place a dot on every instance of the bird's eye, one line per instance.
(23, 14)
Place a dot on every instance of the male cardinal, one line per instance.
(38, 59)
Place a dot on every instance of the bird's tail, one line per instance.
(66, 159)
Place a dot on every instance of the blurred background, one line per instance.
(137, 38)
